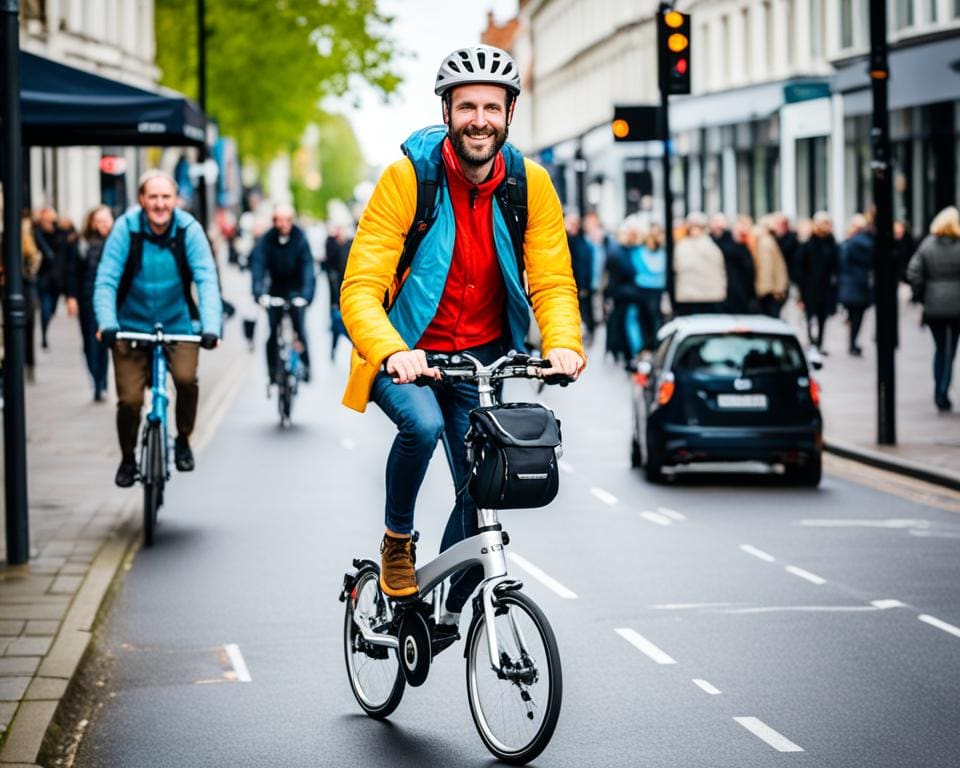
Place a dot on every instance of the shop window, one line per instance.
(902, 14)
(846, 24)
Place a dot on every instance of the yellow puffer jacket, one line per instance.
(375, 253)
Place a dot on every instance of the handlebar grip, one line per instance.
(558, 379)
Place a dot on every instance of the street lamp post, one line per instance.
(202, 100)
(884, 269)
(14, 302)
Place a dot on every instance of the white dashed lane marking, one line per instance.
(605, 496)
(239, 665)
(671, 513)
(935, 622)
(884, 604)
(764, 732)
(752, 550)
(706, 687)
(548, 581)
(655, 517)
(811, 577)
(643, 645)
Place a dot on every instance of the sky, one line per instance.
(430, 29)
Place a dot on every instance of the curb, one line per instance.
(39, 706)
(901, 466)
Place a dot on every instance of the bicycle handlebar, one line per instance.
(513, 365)
(278, 301)
(159, 338)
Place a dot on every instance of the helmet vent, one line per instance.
(482, 59)
(507, 69)
(468, 66)
(494, 66)
(453, 66)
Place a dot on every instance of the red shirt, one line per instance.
(471, 310)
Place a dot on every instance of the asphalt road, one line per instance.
(720, 620)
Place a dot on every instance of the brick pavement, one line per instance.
(81, 526)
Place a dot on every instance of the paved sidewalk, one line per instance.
(82, 527)
(928, 442)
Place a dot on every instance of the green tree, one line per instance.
(330, 169)
(270, 62)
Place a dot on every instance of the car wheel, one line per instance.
(807, 474)
(653, 465)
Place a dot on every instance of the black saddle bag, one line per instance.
(513, 450)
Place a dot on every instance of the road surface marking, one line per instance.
(751, 550)
(689, 606)
(604, 496)
(884, 604)
(934, 622)
(565, 467)
(764, 732)
(801, 609)
(704, 685)
(811, 577)
(348, 443)
(643, 645)
(548, 581)
(655, 517)
(894, 523)
(239, 665)
(671, 513)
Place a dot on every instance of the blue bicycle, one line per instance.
(291, 372)
(154, 464)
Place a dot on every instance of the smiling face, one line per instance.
(478, 120)
(102, 222)
(158, 199)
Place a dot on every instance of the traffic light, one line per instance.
(673, 36)
(634, 123)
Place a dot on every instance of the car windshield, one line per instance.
(739, 354)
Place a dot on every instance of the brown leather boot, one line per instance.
(398, 576)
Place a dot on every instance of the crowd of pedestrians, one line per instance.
(753, 267)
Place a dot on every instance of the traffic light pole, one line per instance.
(14, 301)
(884, 267)
(665, 138)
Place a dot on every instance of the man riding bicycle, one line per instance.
(462, 291)
(282, 265)
(152, 256)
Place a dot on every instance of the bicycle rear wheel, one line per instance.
(515, 708)
(373, 670)
(153, 476)
(284, 399)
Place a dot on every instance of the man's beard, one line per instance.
(469, 156)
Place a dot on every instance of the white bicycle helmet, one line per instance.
(478, 64)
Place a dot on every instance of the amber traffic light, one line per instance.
(673, 36)
(634, 123)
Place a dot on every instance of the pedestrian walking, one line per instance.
(904, 246)
(32, 262)
(772, 280)
(336, 250)
(700, 277)
(819, 258)
(96, 229)
(650, 267)
(855, 276)
(788, 242)
(601, 243)
(738, 262)
(621, 289)
(58, 246)
(581, 257)
(934, 275)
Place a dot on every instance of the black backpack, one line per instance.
(511, 195)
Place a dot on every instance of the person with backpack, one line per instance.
(150, 260)
(454, 239)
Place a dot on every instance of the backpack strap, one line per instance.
(131, 268)
(179, 248)
(512, 196)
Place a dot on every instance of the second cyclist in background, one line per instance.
(282, 265)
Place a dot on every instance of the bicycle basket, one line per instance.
(513, 450)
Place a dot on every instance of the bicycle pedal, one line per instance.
(441, 640)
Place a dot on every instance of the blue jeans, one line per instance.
(945, 337)
(423, 416)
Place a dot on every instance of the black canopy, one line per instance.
(63, 107)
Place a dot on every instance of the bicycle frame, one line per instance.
(159, 402)
(486, 549)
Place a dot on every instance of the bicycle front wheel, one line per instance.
(373, 670)
(515, 707)
(152, 471)
(284, 401)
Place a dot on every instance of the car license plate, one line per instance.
(743, 402)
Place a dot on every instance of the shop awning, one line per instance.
(63, 106)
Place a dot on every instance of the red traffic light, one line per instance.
(680, 67)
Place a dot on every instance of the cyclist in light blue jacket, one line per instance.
(152, 258)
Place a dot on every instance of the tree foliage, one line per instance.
(270, 62)
(336, 159)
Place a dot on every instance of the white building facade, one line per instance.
(776, 117)
(110, 38)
